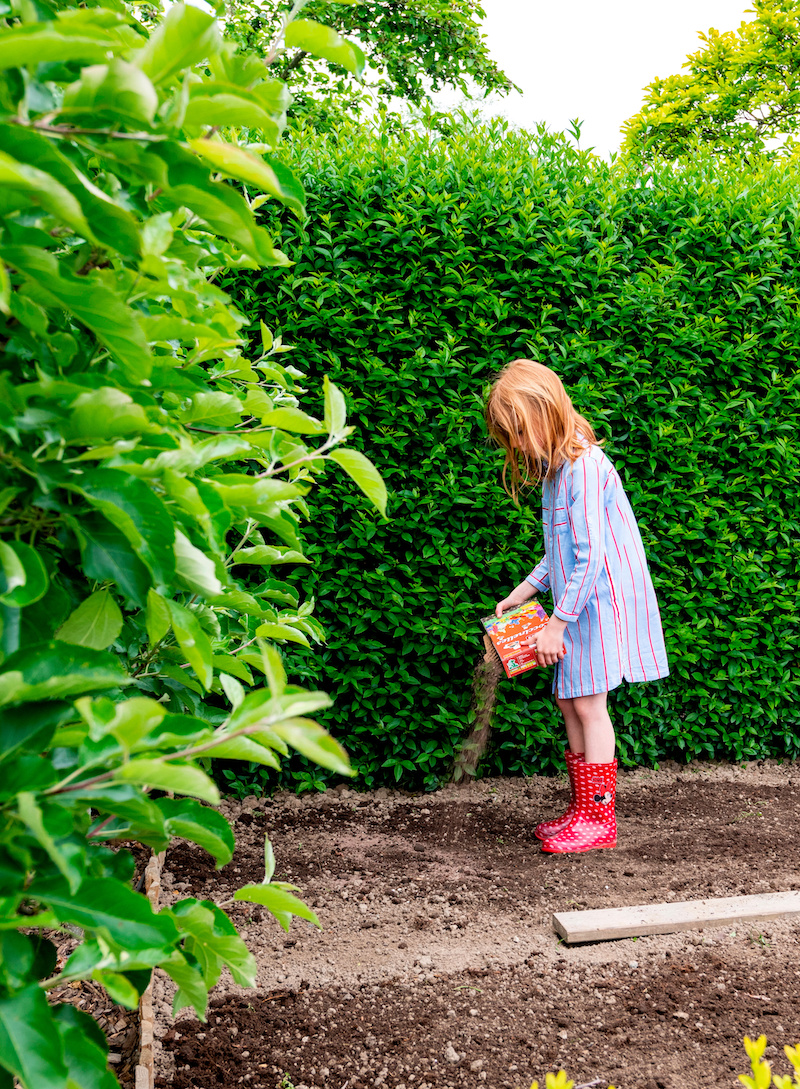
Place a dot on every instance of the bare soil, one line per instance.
(438, 966)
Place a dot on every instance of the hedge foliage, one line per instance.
(668, 302)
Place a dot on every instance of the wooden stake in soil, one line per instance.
(145, 1070)
(628, 922)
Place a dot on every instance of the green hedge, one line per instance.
(669, 305)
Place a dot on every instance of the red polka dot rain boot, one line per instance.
(553, 827)
(594, 824)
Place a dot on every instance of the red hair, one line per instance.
(530, 415)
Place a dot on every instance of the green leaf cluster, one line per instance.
(669, 302)
(409, 50)
(739, 93)
(762, 1077)
(154, 468)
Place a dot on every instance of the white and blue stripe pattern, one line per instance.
(596, 569)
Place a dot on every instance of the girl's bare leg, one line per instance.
(572, 722)
(597, 731)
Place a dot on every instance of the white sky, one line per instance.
(590, 59)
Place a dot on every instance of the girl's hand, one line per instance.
(518, 596)
(549, 642)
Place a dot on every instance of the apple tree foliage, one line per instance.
(410, 49)
(154, 465)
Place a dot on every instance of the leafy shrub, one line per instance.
(668, 302)
(762, 1074)
(150, 462)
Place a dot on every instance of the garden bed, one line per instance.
(438, 966)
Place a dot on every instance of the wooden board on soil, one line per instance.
(628, 922)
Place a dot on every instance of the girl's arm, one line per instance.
(518, 596)
(586, 521)
(539, 578)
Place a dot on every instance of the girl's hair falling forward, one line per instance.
(530, 415)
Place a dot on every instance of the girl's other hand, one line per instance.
(518, 596)
(549, 642)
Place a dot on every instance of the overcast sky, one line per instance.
(590, 60)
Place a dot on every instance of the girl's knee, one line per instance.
(591, 708)
(564, 702)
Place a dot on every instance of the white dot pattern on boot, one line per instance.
(594, 823)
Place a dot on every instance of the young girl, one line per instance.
(605, 623)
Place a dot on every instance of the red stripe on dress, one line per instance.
(602, 641)
(617, 618)
(635, 606)
(635, 597)
(561, 560)
(637, 541)
(624, 603)
(571, 654)
(589, 637)
(576, 611)
(580, 660)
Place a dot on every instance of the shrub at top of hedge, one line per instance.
(669, 305)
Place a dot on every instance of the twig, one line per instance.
(99, 827)
(69, 130)
(187, 754)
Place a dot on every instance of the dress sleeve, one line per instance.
(539, 578)
(586, 518)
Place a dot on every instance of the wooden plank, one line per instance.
(605, 924)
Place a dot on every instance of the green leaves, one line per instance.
(736, 92)
(110, 909)
(26, 579)
(138, 513)
(322, 41)
(56, 670)
(50, 828)
(206, 827)
(26, 183)
(106, 91)
(193, 641)
(309, 738)
(75, 36)
(293, 419)
(107, 555)
(279, 901)
(186, 37)
(364, 473)
(157, 617)
(213, 942)
(29, 1048)
(89, 300)
(95, 623)
(178, 776)
(238, 162)
(194, 568)
(335, 408)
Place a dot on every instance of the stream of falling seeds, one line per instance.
(488, 672)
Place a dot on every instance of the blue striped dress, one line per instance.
(596, 570)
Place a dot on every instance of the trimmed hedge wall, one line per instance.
(669, 305)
